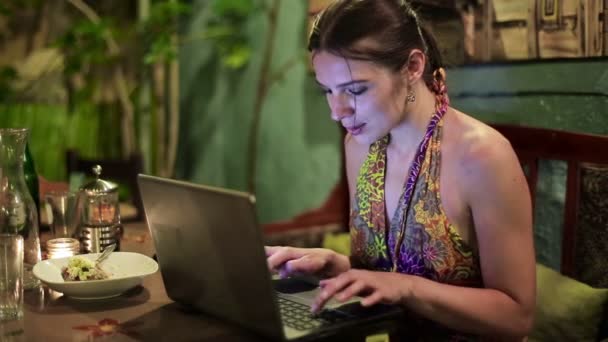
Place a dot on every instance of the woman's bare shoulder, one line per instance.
(474, 142)
(487, 166)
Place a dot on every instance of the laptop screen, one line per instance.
(210, 251)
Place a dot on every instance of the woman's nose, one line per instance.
(340, 106)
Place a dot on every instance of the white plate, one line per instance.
(127, 270)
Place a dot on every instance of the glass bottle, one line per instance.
(31, 178)
(18, 213)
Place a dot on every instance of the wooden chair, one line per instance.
(577, 150)
(45, 186)
(333, 211)
(123, 172)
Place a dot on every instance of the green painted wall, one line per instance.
(299, 147)
(577, 111)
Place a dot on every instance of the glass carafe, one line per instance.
(18, 213)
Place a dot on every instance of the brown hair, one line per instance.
(394, 27)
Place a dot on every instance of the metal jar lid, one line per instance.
(99, 186)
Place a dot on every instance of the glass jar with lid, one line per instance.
(100, 214)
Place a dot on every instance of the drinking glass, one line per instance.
(62, 212)
(11, 277)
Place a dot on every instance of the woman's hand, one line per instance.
(375, 287)
(314, 261)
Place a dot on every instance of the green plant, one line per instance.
(125, 71)
(159, 30)
(8, 75)
(91, 45)
(268, 77)
(227, 31)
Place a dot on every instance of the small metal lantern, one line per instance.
(100, 214)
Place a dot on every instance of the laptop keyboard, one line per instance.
(298, 316)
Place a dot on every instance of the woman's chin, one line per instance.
(364, 139)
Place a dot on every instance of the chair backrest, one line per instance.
(117, 170)
(577, 150)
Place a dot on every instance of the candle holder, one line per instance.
(62, 247)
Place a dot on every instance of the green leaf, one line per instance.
(165, 13)
(161, 50)
(241, 8)
(4, 10)
(219, 30)
(8, 73)
(238, 56)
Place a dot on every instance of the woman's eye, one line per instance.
(357, 91)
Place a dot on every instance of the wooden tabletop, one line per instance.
(144, 313)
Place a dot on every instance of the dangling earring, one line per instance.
(411, 96)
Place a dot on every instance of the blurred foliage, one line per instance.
(4, 9)
(53, 130)
(232, 8)
(84, 48)
(8, 7)
(158, 30)
(90, 121)
(227, 30)
(84, 44)
(8, 75)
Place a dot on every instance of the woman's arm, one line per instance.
(498, 196)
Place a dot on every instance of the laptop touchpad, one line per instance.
(305, 289)
(293, 285)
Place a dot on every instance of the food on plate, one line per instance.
(81, 269)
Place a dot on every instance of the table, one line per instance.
(144, 313)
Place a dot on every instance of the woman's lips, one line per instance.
(355, 130)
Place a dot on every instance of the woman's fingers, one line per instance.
(353, 289)
(329, 288)
(277, 256)
(372, 299)
(270, 250)
(288, 260)
(308, 264)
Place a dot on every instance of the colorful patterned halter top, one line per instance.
(420, 241)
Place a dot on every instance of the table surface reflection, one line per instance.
(144, 313)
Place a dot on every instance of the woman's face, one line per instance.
(367, 99)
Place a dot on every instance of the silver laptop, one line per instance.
(211, 256)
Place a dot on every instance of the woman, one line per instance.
(440, 209)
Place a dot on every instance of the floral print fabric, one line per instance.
(420, 240)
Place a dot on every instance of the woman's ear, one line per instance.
(414, 67)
